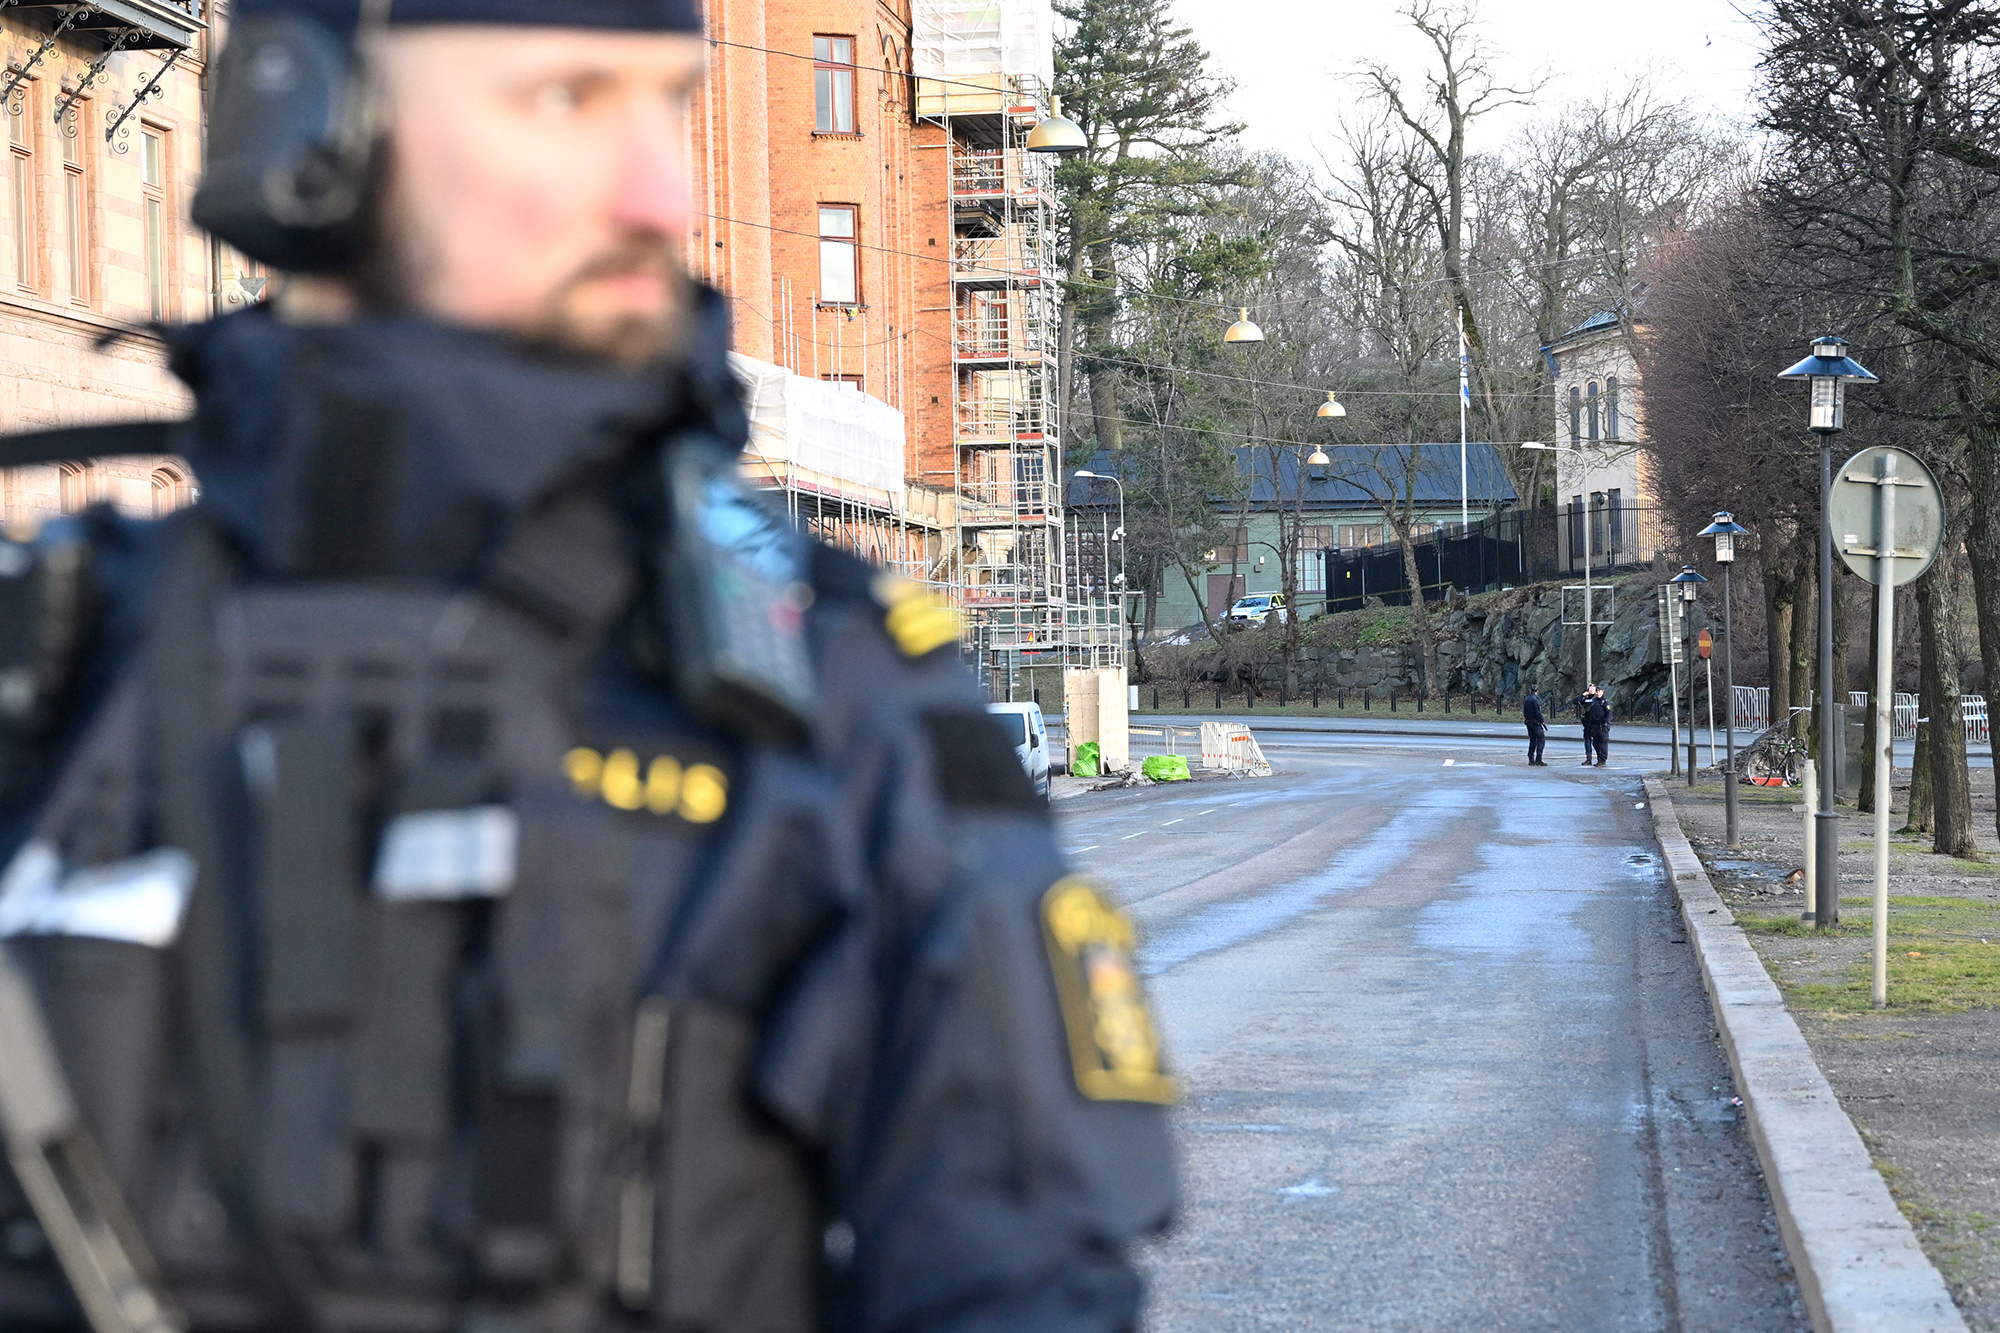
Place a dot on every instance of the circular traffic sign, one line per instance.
(1919, 513)
(1704, 644)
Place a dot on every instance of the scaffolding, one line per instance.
(834, 457)
(983, 71)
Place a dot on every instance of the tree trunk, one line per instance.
(1426, 642)
(1919, 818)
(1982, 544)
(1805, 617)
(1778, 595)
(1843, 630)
(1941, 613)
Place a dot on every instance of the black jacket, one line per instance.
(1531, 713)
(880, 1001)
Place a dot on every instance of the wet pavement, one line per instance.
(1448, 1063)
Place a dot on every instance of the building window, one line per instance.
(833, 85)
(1575, 415)
(152, 189)
(21, 146)
(1590, 408)
(1310, 542)
(852, 381)
(1358, 534)
(839, 259)
(1614, 508)
(76, 206)
(170, 491)
(1575, 529)
(72, 487)
(1611, 415)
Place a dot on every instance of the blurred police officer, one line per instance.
(480, 871)
(1538, 727)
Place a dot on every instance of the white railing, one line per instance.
(1751, 708)
(1971, 713)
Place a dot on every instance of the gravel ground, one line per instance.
(1917, 1079)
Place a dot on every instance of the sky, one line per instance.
(1288, 56)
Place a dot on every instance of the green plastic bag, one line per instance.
(1086, 760)
(1166, 768)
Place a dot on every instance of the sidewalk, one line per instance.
(1917, 1078)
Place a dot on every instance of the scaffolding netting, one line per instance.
(825, 431)
(975, 40)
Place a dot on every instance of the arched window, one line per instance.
(1590, 396)
(1575, 415)
(1611, 416)
(169, 491)
(72, 490)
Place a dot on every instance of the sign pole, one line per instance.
(1670, 649)
(1885, 680)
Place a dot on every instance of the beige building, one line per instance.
(1606, 490)
(103, 108)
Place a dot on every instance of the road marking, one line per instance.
(1211, 810)
(1079, 851)
(1128, 837)
(1171, 822)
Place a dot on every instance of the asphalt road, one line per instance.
(1447, 1061)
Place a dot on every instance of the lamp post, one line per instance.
(1690, 581)
(1828, 370)
(1119, 535)
(1725, 530)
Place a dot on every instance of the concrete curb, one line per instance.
(1858, 1263)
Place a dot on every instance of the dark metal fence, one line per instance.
(1510, 548)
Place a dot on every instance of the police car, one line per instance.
(1251, 610)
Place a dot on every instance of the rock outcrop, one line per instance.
(1492, 644)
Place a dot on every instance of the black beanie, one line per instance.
(631, 15)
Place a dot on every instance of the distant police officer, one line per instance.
(481, 872)
(1538, 727)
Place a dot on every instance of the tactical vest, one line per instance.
(406, 1018)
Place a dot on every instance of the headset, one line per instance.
(295, 142)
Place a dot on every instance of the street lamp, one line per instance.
(1690, 581)
(1118, 536)
(1243, 331)
(1056, 133)
(1828, 370)
(1726, 530)
(1331, 407)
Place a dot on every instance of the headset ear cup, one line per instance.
(293, 147)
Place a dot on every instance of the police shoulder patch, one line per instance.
(1112, 1041)
(919, 622)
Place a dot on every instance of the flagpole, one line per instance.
(1464, 401)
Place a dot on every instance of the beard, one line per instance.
(575, 319)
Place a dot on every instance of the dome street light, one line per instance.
(1243, 331)
(1726, 530)
(1057, 133)
(1828, 370)
(1331, 407)
(1690, 580)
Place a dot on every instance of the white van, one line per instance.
(1031, 740)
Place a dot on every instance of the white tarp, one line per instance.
(814, 426)
(976, 39)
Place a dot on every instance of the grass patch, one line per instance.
(1944, 956)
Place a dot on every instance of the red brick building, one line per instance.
(867, 203)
